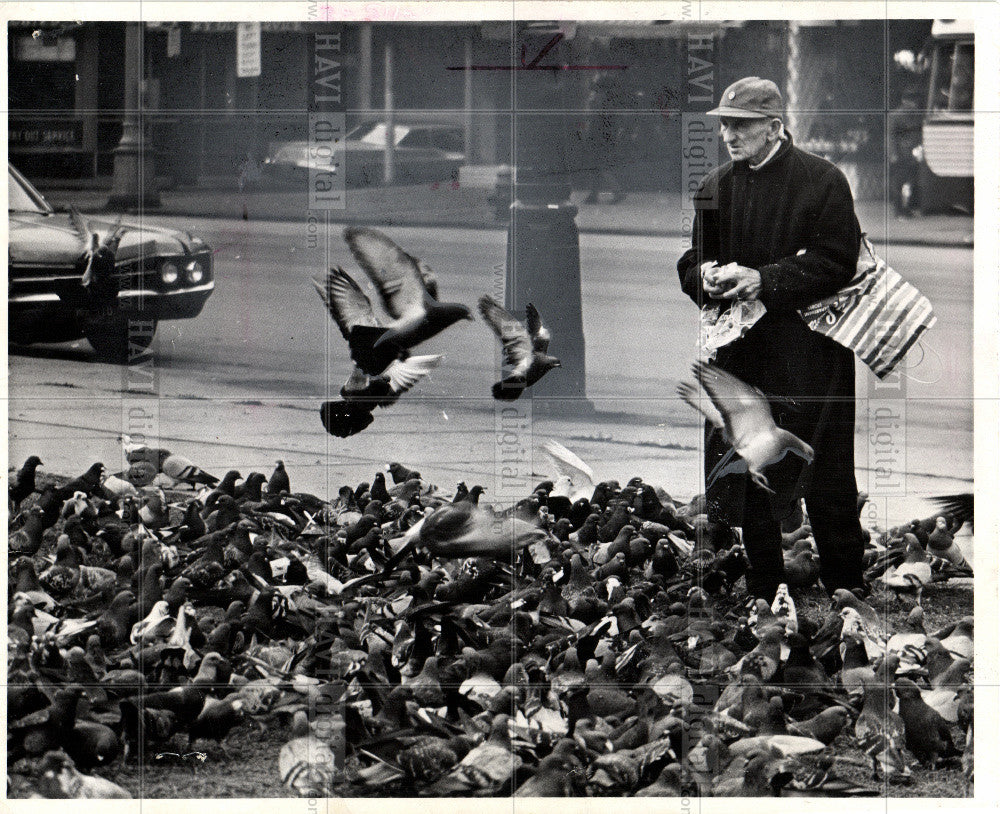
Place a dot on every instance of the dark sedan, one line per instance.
(158, 274)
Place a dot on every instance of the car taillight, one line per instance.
(170, 272)
(195, 272)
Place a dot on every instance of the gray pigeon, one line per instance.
(744, 415)
(408, 292)
(525, 349)
(363, 391)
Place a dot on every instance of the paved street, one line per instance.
(241, 385)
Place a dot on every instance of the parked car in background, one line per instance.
(424, 151)
(161, 274)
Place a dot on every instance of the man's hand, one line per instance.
(709, 279)
(737, 282)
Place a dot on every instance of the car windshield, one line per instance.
(376, 135)
(21, 198)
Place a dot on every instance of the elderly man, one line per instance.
(777, 224)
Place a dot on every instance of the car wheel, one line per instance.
(118, 339)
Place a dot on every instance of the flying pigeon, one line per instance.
(364, 391)
(525, 349)
(99, 258)
(743, 413)
(570, 466)
(400, 281)
(464, 530)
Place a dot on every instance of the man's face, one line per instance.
(748, 139)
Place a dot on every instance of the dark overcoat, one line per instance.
(793, 220)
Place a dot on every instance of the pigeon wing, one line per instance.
(395, 273)
(114, 237)
(428, 277)
(696, 399)
(569, 464)
(744, 409)
(82, 228)
(514, 336)
(403, 374)
(961, 506)
(540, 335)
(345, 301)
(448, 523)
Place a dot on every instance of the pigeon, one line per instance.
(364, 390)
(185, 471)
(744, 414)
(27, 539)
(824, 726)
(98, 259)
(911, 575)
(401, 473)
(278, 481)
(399, 278)
(306, 764)
(928, 735)
(880, 731)
(58, 778)
(89, 483)
(525, 349)
(941, 543)
(45, 729)
(959, 640)
(578, 474)
(464, 530)
(959, 507)
(22, 483)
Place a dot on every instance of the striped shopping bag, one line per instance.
(878, 315)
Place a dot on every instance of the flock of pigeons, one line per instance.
(593, 639)
(407, 289)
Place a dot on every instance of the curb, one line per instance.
(929, 242)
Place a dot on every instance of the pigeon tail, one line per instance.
(509, 389)
(344, 419)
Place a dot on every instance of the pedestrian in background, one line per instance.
(785, 218)
(605, 130)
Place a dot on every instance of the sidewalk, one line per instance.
(641, 213)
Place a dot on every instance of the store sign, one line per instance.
(247, 50)
(44, 134)
(44, 48)
(213, 27)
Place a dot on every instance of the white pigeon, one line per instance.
(744, 415)
(575, 478)
(783, 607)
(158, 624)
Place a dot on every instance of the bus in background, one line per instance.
(945, 154)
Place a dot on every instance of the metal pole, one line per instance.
(792, 95)
(543, 243)
(134, 180)
(390, 119)
(467, 106)
(365, 67)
